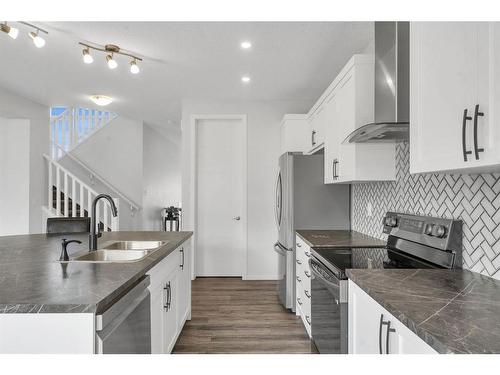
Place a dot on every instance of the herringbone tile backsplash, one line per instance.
(475, 199)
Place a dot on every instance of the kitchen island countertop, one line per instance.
(33, 281)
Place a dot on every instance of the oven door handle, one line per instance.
(314, 269)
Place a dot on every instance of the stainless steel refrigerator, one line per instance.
(303, 201)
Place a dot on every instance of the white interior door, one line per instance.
(221, 196)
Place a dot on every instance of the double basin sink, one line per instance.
(119, 251)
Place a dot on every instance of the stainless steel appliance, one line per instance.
(125, 327)
(392, 86)
(413, 242)
(303, 201)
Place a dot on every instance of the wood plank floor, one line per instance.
(234, 316)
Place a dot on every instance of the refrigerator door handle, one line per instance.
(278, 200)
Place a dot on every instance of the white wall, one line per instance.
(263, 153)
(14, 177)
(161, 176)
(15, 107)
(116, 153)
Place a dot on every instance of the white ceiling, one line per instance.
(288, 61)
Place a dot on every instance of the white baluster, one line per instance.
(66, 197)
(73, 197)
(58, 191)
(81, 201)
(50, 202)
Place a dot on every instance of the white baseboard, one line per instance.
(260, 277)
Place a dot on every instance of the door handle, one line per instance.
(477, 150)
(237, 218)
(464, 125)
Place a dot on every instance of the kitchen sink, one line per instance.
(119, 252)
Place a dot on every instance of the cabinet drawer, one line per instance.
(158, 273)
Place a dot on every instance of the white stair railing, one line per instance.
(63, 186)
(73, 126)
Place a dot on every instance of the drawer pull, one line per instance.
(299, 301)
(298, 261)
(306, 292)
(299, 279)
(307, 274)
(307, 254)
(298, 244)
(308, 319)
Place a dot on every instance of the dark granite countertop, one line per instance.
(338, 239)
(33, 281)
(454, 311)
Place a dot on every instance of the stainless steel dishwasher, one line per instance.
(125, 327)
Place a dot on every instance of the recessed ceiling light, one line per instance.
(245, 79)
(101, 100)
(246, 45)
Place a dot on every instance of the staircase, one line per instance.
(68, 196)
(71, 126)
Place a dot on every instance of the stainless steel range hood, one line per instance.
(392, 86)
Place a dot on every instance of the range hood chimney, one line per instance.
(392, 86)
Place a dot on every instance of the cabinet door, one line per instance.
(170, 303)
(345, 121)
(332, 144)
(442, 86)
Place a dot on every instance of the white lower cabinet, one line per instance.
(373, 330)
(303, 283)
(170, 290)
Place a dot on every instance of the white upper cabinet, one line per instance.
(294, 133)
(349, 105)
(316, 125)
(454, 92)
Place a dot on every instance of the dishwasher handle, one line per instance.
(119, 310)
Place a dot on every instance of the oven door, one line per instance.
(328, 310)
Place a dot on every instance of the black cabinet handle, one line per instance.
(169, 296)
(464, 125)
(308, 319)
(298, 244)
(335, 171)
(307, 254)
(477, 150)
(182, 262)
(313, 141)
(299, 262)
(299, 279)
(307, 274)
(299, 301)
(307, 294)
(389, 330)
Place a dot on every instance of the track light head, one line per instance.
(134, 68)
(112, 64)
(87, 57)
(38, 41)
(10, 31)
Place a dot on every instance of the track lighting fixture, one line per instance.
(112, 64)
(38, 41)
(87, 57)
(134, 68)
(111, 50)
(9, 30)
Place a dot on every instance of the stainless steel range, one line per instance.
(413, 242)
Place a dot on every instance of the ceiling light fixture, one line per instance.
(9, 30)
(38, 41)
(87, 57)
(101, 100)
(245, 79)
(112, 64)
(111, 50)
(134, 68)
(246, 45)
